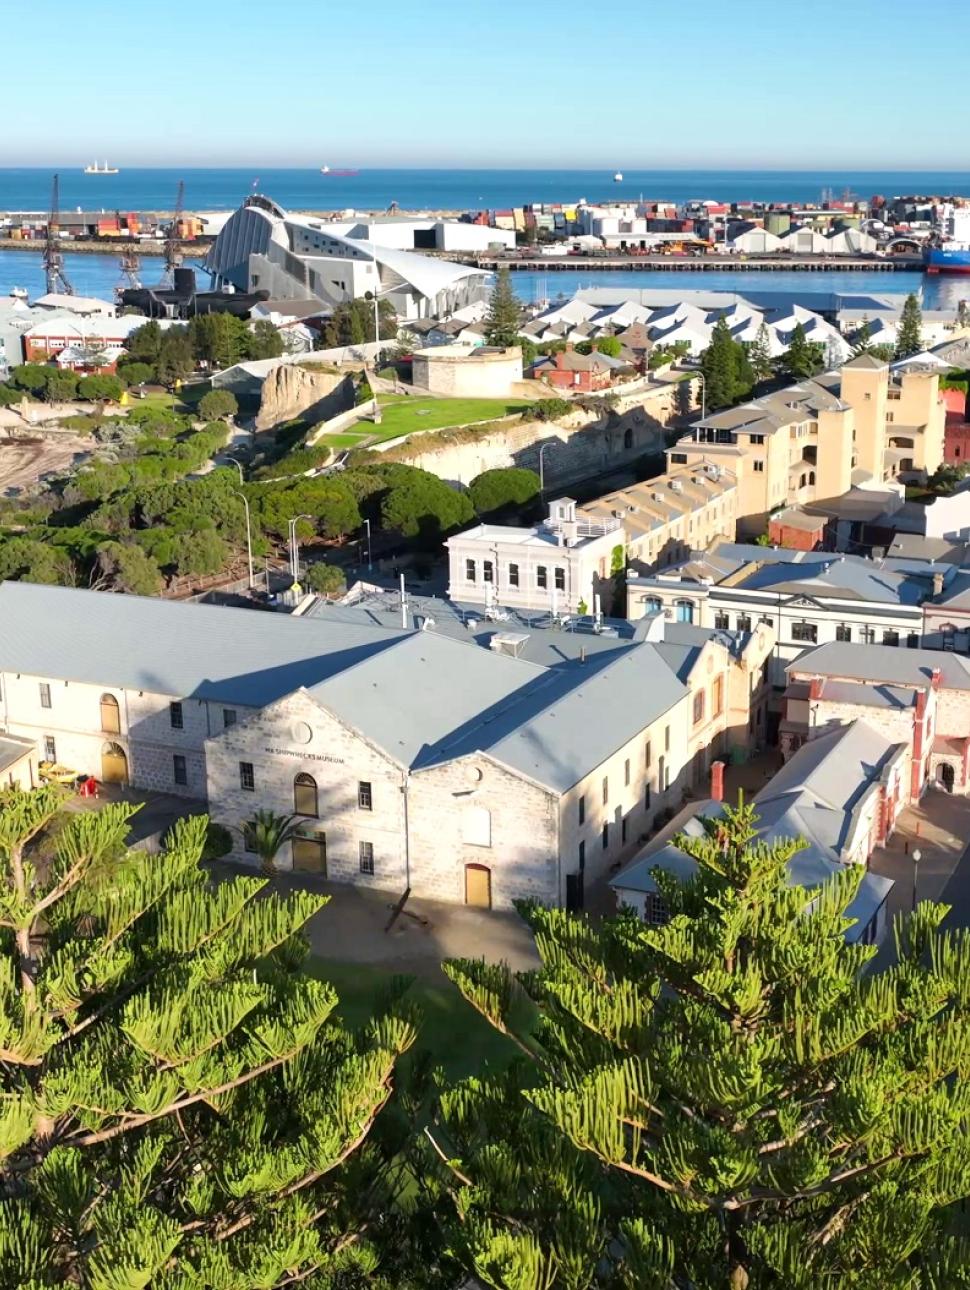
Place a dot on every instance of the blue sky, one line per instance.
(634, 83)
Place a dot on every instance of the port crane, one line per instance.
(130, 264)
(53, 256)
(173, 246)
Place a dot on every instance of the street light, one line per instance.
(917, 857)
(370, 564)
(294, 548)
(249, 526)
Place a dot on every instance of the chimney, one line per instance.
(936, 676)
(815, 688)
(937, 584)
(717, 781)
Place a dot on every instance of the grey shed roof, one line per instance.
(183, 651)
(14, 749)
(887, 663)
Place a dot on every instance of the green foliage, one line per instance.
(909, 336)
(326, 579)
(763, 540)
(500, 489)
(504, 312)
(217, 405)
(363, 392)
(123, 566)
(268, 833)
(352, 323)
(175, 359)
(182, 1109)
(547, 410)
(100, 389)
(32, 377)
(134, 372)
(759, 355)
(609, 345)
(733, 1098)
(727, 373)
(329, 500)
(885, 353)
(862, 340)
(61, 385)
(145, 343)
(530, 350)
(947, 478)
(9, 396)
(803, 357)
(218, 841)
(35, 561)
(420, 505)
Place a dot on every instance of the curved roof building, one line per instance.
(262, 247)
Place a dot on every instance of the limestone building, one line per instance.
(466, 767)
(863, 423)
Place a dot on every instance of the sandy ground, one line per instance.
(24, 461)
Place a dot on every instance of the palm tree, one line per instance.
(268, 833)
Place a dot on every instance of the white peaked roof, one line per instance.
(426, 275)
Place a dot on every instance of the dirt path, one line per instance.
(23, 461)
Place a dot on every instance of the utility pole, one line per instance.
(53, 256)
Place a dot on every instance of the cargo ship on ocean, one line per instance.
(948, 251)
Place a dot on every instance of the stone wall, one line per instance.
(292, 390)
(580, 444)
(457, 372)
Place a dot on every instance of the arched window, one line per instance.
(305, 795)
(811, 476)
(685, 611)
(628, 439)
(652, 605)
(110, 715)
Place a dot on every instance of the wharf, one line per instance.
(695, 263)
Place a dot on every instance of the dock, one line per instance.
(695, 263)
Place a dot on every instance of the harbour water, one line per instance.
(28, 189)
(98, 275)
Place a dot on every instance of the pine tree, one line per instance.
(909, 337)
(803, 357)
(759, 354)
(729, 1100)
(180, 1108)
(502, 319)
(862, 341)
(719, 363)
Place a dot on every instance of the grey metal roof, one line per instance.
(889, 697)
(181, 650)
(14, 749)
(887, 663)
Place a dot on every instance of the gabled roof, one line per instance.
(884, 663)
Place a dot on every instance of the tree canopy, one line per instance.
(909, 337)
(803, 357)
(496, 490)
(734, 1098)
(352, 323)
(216, 405)
(502, 319)
(727, 372)
(181, 1107)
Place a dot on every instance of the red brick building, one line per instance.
(568, 370)
(956, 440)
(798, 530)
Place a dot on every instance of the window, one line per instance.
(744, 622)
(626, 771)
(110, 715)
(698, 707)
(623, 829)
(867, 397)
(890, 637)
(476, 826)
(249, 838)
(606, 837)
(717, 696)
(542, 576)
(890, 416)
(684, 610)
(912, 640)
(756, 438)
(606, 789)
(652, 605)
(365, 798)
(513, 575)
(228, 718)
(582, 809)
(843, 632)
(179, 770)
(45, 695)
(50, 748)
(488, 571)
(646, 796)
(722, 622)
(768, 622)
(560, 575)
(667, 738)
(868, 635)
(175, 716)
(365, 851)
(804, 632)
(305, 798)
(469, 570)
(654, 909)
(247, 777)
(678, 458)
(646, 755)
(661, 775)
(582, 856)
(758, 467)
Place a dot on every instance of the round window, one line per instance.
(301, 732)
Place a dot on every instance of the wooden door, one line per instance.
(114, 765)
(310, 855)
(478, 886)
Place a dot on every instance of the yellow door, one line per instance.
(114, 765)
(478, 886)
(310, 855)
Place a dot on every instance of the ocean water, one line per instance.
(307, 189)
(98, 275)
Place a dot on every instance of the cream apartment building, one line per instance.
(412, 759)
(817, 439)
(565, 565)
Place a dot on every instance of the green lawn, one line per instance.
(403, 414)
(458, 1037)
